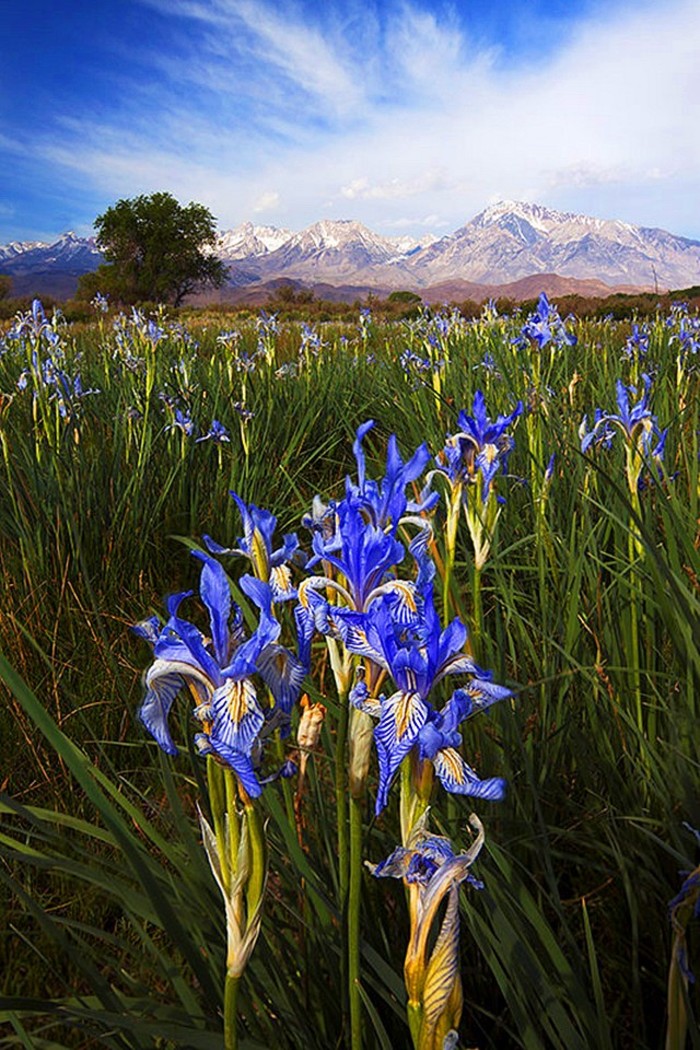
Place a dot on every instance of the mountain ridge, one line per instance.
(506, 242)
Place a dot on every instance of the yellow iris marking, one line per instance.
(407, 593)
(259, 556)
(452, 761)
(402, 715)
(238, 702)
(282, 577)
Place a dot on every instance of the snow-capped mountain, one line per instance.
(37, 268)
(507, 241)
(408, 245)
(15, 248)
(69, 254)
(248, 240)
(333, 251)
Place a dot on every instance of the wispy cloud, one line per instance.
(266, 202)
(396, 188)
(273, 43)
(393, 112)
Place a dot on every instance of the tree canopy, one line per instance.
(156, 250)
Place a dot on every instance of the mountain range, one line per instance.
(505, 245)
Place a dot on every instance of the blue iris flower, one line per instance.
(546, 326)
(385, 502)
(420, 861)
(256, 544)
(218, 670)
(35, 324)
(418, 654)
(357, 536)
(480, 447)
(635, 421)
(182, 421)
(637, 342)
(362, 552)
(217, 433)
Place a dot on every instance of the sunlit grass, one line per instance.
(569, 945)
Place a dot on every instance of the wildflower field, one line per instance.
(349, 681)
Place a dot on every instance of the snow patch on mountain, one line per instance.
(507, 241)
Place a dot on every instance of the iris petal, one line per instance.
(238, 717)
(216, 594)
(241, 764)
(283, 672)
(460, 779)
(403, 715)
(161, 689)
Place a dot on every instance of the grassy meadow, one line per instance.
(587, 607)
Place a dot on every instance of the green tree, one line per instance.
(156, 250)
(5, 285)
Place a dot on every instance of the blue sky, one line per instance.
(407, 115)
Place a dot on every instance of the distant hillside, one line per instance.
(506, 244)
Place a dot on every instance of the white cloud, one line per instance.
(391, 123)
(276, 39)
(394, 189)
(267, 201)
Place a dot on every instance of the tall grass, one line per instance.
(569, 944)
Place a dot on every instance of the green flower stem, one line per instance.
(286, 788)
(144, 443)
(230, 1011)
(450, 548)
(636, 553)
(233, 828)
(341, 814)
(341, 801)
(217, 800)
(354, 894)
(416, 790)
(415, 1021)
(258, 858)
(477, 614)
(633, 652)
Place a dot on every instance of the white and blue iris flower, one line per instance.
(546, 326)
(385, 503)
(218, 670)
(480, 448)
(636, 422)
(256, 544)
(413, 649)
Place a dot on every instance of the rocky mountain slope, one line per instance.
(504, 243)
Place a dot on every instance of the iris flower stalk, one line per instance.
(640, 432)
(412, 735)
(272, 567)
(218, 671)
(470, 460)
(354, 541)
(644, 443)
(432, 873)
(236, 849)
